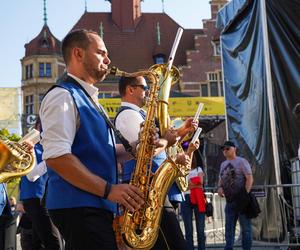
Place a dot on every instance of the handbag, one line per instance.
(253, 209)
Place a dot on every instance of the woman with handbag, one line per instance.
(194, 204)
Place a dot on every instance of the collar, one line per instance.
(130, 105)
(92, 90)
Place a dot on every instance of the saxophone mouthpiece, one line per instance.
(113, 70)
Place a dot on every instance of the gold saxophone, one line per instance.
(167, 79)
(16, 160)
(140, 228)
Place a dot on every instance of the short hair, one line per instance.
(126, 81)
(296, 111)
(75, 38)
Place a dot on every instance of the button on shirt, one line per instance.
(61, 120)
(129, 120)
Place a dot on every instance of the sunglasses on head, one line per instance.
(144, 87)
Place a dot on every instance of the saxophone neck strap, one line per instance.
(124, 141)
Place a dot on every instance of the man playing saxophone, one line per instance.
(133, 91)
(80, 150)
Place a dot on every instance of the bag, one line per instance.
(209, 212)
(253, 209)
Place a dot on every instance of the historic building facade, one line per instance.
(135, 41)
(41, 67)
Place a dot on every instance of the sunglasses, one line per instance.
(225, 149)
(144, 87)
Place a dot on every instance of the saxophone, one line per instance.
(140, 228)
(16, 160)
(167, 79)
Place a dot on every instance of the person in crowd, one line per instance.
(194, 203)
(80, 150)
(5, 213)
(44, 233)
(134, 91)
(235, 182)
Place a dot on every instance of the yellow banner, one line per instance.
(178, 106)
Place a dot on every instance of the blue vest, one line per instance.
(36, 189)
(174, 193)
(94, 146)
(3, 198)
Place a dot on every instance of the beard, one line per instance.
(97, 74)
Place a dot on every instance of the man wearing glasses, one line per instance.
(235, 179)
(134, 92)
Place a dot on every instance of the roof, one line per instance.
(133, 50)
(45, 43)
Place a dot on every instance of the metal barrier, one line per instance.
(276, 227)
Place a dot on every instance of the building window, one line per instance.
(29, 104)
(28, 71)
(215, 84)
(204, 89)
(45, 70)
(159, 59)
(217, 48)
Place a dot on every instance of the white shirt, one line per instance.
(60, 119)
(128, 122)
(193, 173)
(37, 171)
(299, 152)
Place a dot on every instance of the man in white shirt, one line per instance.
(80, 151)
(134, 91)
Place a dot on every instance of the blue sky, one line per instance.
(21, 21)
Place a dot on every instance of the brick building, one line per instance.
(41, 67)
(135, 41)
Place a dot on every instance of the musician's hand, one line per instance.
(170, 136)
(154, 138)
(29, 145)
(188, 126)
(127, 195)
(183, 159)
(193, 146)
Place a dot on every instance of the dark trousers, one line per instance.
(170, 234)
(85, 228)
(2, 231)
(43, 230)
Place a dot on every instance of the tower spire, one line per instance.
(45, 13)
(101, 30)
(85, 6)
(163, 5)
(158, 33)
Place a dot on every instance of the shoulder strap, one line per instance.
(126, 144)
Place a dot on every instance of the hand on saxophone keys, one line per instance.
(154, 139)
(127, 195)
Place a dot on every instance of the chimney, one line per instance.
(126, 14)
(215, 6)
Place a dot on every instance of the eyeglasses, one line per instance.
(144, 87)
(225, 149)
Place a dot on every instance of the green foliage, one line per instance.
(12, 137)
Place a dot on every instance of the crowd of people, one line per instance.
(76, 189)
